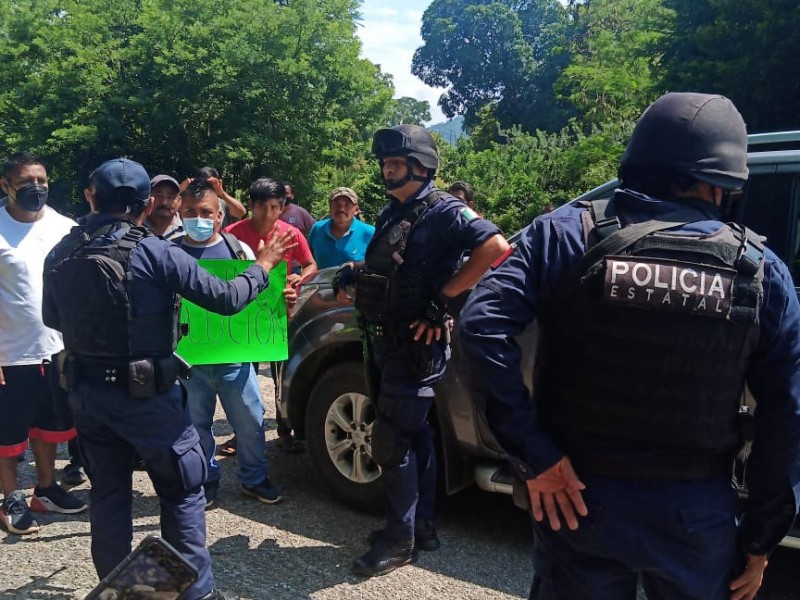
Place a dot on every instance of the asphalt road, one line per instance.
(303, 547)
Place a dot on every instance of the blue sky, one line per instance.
(389, 33)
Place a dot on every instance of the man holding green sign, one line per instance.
(222, 349)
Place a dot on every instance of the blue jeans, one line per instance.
(238, 391)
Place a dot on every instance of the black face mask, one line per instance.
(31, 197)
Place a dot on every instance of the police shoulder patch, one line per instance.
(468, 214)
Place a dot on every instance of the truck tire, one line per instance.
(339, 423)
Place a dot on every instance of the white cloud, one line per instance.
(389, 38)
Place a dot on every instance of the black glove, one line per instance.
(345, 277)
(436, 314)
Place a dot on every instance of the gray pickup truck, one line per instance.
(323, 394)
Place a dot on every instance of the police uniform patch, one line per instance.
(669, 286)
(468, 214)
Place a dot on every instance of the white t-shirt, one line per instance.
(24, 340)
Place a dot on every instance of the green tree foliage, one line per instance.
(408, 110)
(610, 75)
(250, 87)
(517, 179)
(745, 49)
(506, 52)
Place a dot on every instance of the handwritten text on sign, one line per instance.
(256, 334)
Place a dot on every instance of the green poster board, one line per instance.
(256, 334)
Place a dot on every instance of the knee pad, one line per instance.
(389, 445)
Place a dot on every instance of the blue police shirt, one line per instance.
(330, 252)
(160, 268)
(510, 297)
(439, 239)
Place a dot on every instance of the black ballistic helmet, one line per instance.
(411, 141)
(701, 135)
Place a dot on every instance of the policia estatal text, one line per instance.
(653, 316)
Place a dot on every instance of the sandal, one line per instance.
(228, 448)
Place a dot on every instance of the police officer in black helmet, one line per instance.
(402, 292)
(653, 315)
(111, 287)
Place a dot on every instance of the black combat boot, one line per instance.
(425, 537)
(385, 556)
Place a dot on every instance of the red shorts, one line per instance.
(28, 410)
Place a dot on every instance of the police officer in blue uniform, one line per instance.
(402, 291)
(111, 287)
(652, 316)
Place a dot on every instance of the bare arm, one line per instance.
(235, 208)
(308, 269)
(479, 262)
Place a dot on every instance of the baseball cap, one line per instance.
(161, 178)
(343, 191)
(122, 180)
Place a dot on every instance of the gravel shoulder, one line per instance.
(300, 548)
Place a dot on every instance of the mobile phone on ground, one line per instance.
(153, 571)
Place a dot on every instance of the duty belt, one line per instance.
(109, 374)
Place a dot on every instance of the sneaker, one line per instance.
(15, 515)
(56, 499)
(73, 475)
(211, 491)
(263, 492)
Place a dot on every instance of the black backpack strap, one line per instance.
(420, 209)
(604, 217)
(234, 245)
(122, 249)
(751, 249)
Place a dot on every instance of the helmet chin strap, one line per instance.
(410, 176)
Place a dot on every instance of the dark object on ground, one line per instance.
(228, 448)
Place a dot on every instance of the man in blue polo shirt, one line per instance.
(340, 237)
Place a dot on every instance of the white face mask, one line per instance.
(199, 229)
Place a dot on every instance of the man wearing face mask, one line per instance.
(28, 230)
(235, 383)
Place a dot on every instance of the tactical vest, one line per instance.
(640, 369)
(383, 295)
(91, 285)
